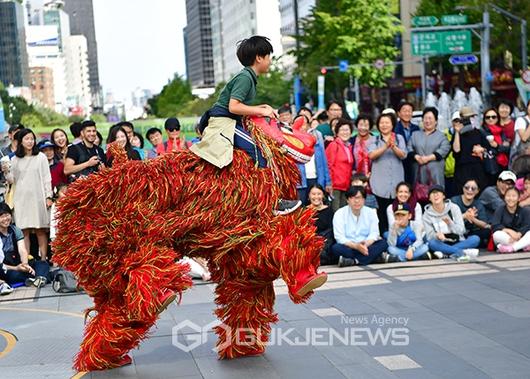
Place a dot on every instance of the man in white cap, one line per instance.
(493, 196)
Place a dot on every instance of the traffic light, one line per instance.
(323, 70)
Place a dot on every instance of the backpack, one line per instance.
(64, 281)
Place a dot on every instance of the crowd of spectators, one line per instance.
(383, 191)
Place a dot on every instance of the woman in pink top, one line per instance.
(340, 161)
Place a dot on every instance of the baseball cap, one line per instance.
(507, 175)
(172, 124)
(388, 111)
(466, 112)
(436, 188)
(44, 144)
(455, 116)
(402, 209)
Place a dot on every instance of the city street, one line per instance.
(426, 319)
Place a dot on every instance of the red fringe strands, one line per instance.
(122, 230)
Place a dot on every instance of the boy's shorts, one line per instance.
(217, 143)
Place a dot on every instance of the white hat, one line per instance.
(507, 175)
(455, 116)
(388, 111)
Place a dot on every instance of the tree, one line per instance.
(273, 88)
(31, 120)
(360, 31)
(505, 34)
(173, 97)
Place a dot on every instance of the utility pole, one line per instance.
(297, 82)
(485, 57)
(524, 51)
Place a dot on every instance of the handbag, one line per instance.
(421, 190)
(491, 167)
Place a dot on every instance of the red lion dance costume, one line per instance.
(121, 232)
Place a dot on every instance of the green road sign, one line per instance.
(424, 21)
(454, 19)
(441, 43)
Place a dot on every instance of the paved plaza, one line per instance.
(428, 319)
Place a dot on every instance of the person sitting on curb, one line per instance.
(405, 239)
(511, 225)
(356, 230)
(492, 196)
(444, 228)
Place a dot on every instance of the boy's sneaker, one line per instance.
(438, 255)
(285, 207)
(471, 253)
(462, 259)
(5, 289)
(425, 257)
(505, 249)
(307, 281)
(346, 262)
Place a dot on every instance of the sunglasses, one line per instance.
(491, 117)
(172, 129)
(470, 188)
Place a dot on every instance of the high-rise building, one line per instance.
(254, 17)
(81, 14)
(14, 69)
(288, 23)
(41, 79)
(78, 93)
(198, 44)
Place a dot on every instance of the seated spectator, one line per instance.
(323, 222)
(444, 228)
(356, 230)
(524, 198)
(155, 138)
(285, 116)
(362, 180)
(56, 163)
(404, 195)
(473, 212)
(339, 154)
(137, 142)
(511, 225)
(405, 238)
(492, 197)
(5, 289)
(119, 135)
(18, 267)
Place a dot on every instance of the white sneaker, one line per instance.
(5, 289)
(438, 255)
(471, 253)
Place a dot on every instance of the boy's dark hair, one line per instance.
(20, 151)
(341, 122)
(152, 131)
(305, 109)
(402, 104)
(4, 208)
(250, 48)
(88, 123)
(322, 117)
(360, 177)
(433, 110)
(284, 109)
(354, 190)
(364, 116)
(527, 177)
(126, 123)
(75, 129)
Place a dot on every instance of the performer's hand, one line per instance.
(268, 111)
(329, 189)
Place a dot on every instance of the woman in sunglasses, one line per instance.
(473, 212)
(497, 139)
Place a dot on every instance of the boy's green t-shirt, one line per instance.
(241, 87)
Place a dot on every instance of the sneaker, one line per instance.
(527, 249)
(307, 281)
(471, 253)
(462, 259)
(286, 206)
(389, 258)
(346, 262)
(39, 282)
(438, 255)
(425, 257)
(165, 298)
(5, 289)
(504, 249)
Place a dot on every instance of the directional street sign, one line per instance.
(343, 65)
(440, 43)
(463, 59)
(424, 21)
(454, 19)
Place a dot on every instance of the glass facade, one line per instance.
(13, 56)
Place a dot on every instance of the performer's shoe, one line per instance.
(166, 297)
(124, 361)
(286, 206)
(306, 282)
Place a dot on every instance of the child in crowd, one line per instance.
(61, 191)
(405, 239)
(362, 180)
(524, 198)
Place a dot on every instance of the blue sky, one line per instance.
(140, 43)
